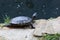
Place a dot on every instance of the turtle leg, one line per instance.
(32, 26)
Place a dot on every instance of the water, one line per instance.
(44, 8)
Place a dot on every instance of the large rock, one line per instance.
(17, 34)
(40, 27)
(56, 24)
(50, 26)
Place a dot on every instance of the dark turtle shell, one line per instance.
(21, 20)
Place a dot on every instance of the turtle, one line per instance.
(22, 21)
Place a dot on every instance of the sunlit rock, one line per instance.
(50, 26)
(17, 34)
(40, 27)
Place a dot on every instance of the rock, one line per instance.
(56, 25)
(40, 27)
(40, 22)
(5, 28)
(18, 34)
(2, 38)
(50, 26)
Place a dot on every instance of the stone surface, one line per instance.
(40, 27)
(17, 34)
(50, 26)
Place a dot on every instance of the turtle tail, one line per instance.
(7, 25)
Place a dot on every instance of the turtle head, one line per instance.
(34, 15)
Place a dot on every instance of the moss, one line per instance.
(6, 19)
(51, 36)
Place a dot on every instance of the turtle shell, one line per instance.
(21, 20)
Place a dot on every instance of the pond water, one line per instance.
(44, 8)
